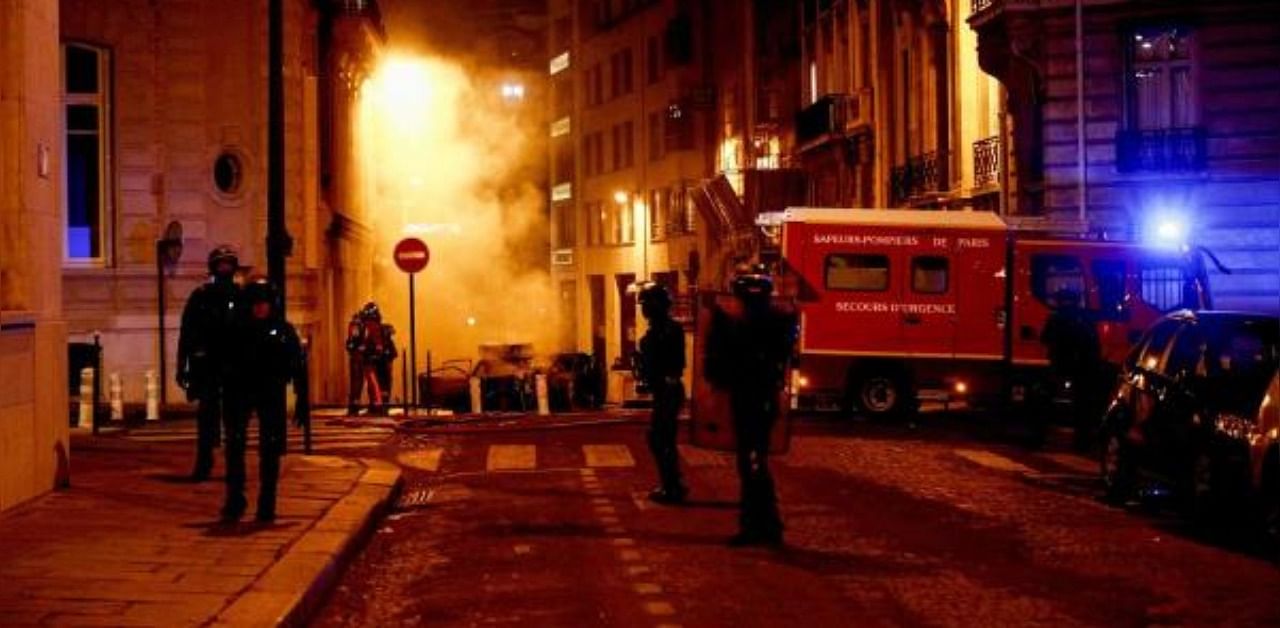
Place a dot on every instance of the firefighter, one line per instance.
(661, 369)
(748, 356)
(385, 361)
(1075, 361)
(365, 338)
(204, 362)
(269, 357)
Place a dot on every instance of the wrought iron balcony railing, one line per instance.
(986, 162)
(1161, 150)
(831, 115)
(917, 177)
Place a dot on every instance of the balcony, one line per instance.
(832, 116)
(982, 11)
(918, 177)
(367, 9)
(1161, 150)
(986, 163)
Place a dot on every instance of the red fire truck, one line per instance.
(896, 302)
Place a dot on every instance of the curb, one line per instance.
(293, 588)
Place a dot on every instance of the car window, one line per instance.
(929, 275)
(1109, 277)
(1152, 356)
(859, 273)
(1240, 360)
(1052, 274)
(1187, 350)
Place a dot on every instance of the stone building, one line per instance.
(668, 118)
(1172, 122)
(33, 380)
(166, 121)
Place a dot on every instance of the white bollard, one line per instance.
(540, 387)
(115, 392)
(153, 396)
(85, 420)
(477, 401)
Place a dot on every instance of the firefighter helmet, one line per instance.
(261, 290)
(220, 255)
(371, 312)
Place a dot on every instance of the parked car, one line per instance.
(1194, 412)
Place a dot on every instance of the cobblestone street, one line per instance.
(886, 525)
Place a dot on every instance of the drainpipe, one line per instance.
(1081, 151)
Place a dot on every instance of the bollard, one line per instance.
(477, 401)
(540, 387)
(85, 420)
(115, 393)
(153, 396)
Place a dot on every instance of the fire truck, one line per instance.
(896, 303)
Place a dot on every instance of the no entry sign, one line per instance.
(412, 255)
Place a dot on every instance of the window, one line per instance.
(564, 227)
(1164, 287)
(1152, 355)
(929, 275)
(658, 218)
(653, 60)
(1162, 89)
(595, 223)
(1186, 352)
(1109, 276)
(1051, 274)
(859, 273)
(628, 144)
(87, 183)
(617, 146)
(655, 136)
(627, 67)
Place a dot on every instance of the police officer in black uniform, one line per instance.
(205, 363)
(748, 356)
(1075, 361)
(661, 366)
(270, 356)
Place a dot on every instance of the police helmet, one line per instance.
(261, 290)
(370, 311)
(653, 293)
(222, 254)
(753, 285)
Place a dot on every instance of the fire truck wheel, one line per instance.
(880, 393)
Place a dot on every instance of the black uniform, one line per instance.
(205, 362)
(270, 356)
(661, 363)
(1075, 358)
(385, 363)
(748, 356)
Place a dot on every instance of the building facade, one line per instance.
(34, 445)
(1169, 130)
(165, 114)
(670, 122)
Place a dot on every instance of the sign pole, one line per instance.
(413, 344)
(411, 256)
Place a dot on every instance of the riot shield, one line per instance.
(711, 418)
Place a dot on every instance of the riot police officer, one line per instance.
(385, 360)
(270, 356)
(204, 360)
(1075, 361)
(747, 355)
(661, 367)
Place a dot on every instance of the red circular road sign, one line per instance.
(412, 255)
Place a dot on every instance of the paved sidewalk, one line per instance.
(132, 543)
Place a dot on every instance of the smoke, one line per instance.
(454, 164)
